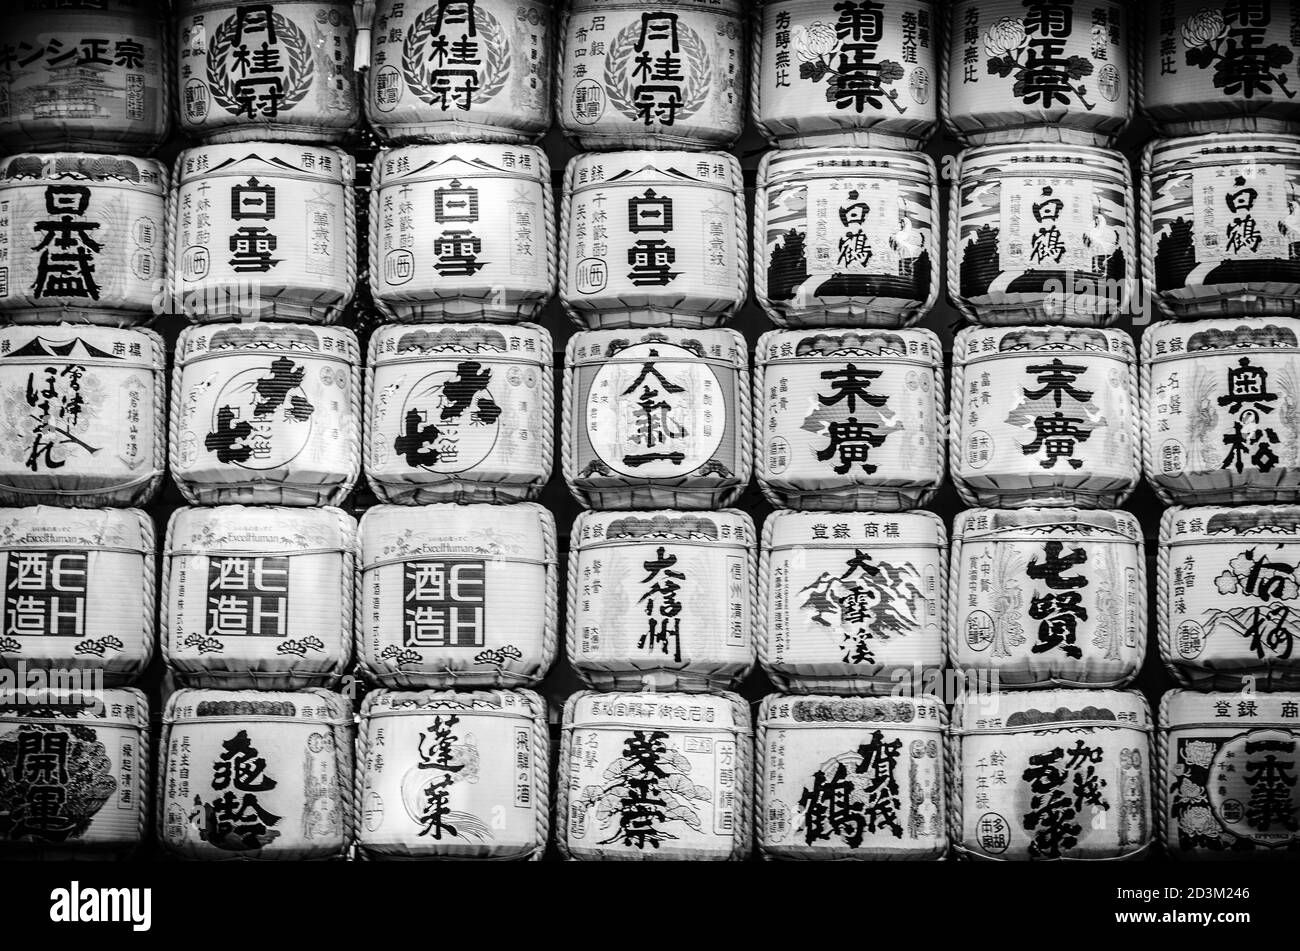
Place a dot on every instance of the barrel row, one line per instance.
(1061, 775)
(616, 75)
(451, 595)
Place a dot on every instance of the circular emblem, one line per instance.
(919, 85)
(993, 833)
(669, 103)
(1252, 786)
(373, 812)
(259, 65)
(979, 630)
(588, 102)
(456, 86)
(387, 91)
(1108, 82)
(1190, 640)
(655, 411)
(449, 420)
(262, 417)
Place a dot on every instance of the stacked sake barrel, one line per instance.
(1047, 580)
(83, 261)
(456, 604)
(1220, 249)
(850, 426)
(657, 433)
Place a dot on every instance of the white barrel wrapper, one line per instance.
(856, 74)
(671, 75)
(1226, 593)
(1221, 224)
(849, 419)
(74, 776)
(653, 239)
(661, 600)
(1048, 597)
(851, 778)
(1042, 234)
(462, 232)
(281, 71)
(263, 230)
(79, 588)
(1048, 775)
(457, 595)
(852, 603)
(459, 413)
(1219, 397)
(846, 236)
(1045, 416)
(449, 71)
(1021, 72)
(453, 775)
(1225, 789)
(87, 75)
(1221, 68)
(84, 420)
(645, 776)
(258, 598)
(657, 418)
(265, 413)
(256, 775)
(82, 238)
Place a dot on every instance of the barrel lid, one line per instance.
(728, 527)
(82, 343)
(270, 528)
(1055, 709)
(977, 343)
(1059, 523)
(1185, 708)
(513, 343)
(393, 533)
(780, 167)
(834, 712)
(1179, 339)
(312, 706)
(1222, 148)
(1018, 158)
(146, 175)
(916, 343)
(462, 703)
(597, 347)
(94, 529)
(464, 160)
(868, 530)
(653, 168)
(721, 711)
(310, 162)
(205, 340)
(110, 706)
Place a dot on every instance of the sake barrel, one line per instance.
(653, 239)
(1224, 789)
(1220, 423)
(1221, 224)
(281, 71)
(1226, 586)
(1032, 72)
(884, 758)
(256, 775)
(849, 419)
(80, 590)
(825, 73)
(469, 71)
(84, 420)
(1221, 69)
(265, 413)
(854, 603)
(459, 413)
(258, 598)
(847, 237)
(661, 600)
(74, 772)
(1051, 775)
(263, 230)
(85, 74)
(456, 595)
(84, 238)
(486, 248)
(671, 75)
(1048, 597)
(657, 418)
(1042, 234)
(1045, 416)
(646, 776)
(453, 775)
